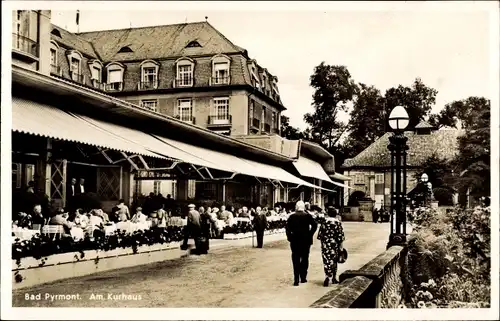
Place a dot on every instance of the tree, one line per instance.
(333, 89)
(417, 100)
(440, 176)
(367, 118)
(460, 113)
(288, 131)
(473, 158)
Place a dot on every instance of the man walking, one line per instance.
(259, 225)
(300, 228)
(193, 227)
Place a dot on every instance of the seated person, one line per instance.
(122, 212)
(37, 216)
(81, 220)
(95, 220)
(60, 218)
(224, 214)
(139, 217)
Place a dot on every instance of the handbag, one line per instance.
(342, 256)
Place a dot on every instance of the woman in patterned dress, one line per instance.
(331, 235)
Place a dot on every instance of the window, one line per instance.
(193, 44)
(53, 57)
(19, 12)
(273, 121)
(75, 66)
(379, 178)
(221, 71)
(96, 73)
(115, 71)
(115, 79)
(185, 75)
(150, 104)
(359, 179)
(149, 75)
(221, 108)
(16, 175)
(56, 33)
(125, 49)
(157, 187)
(185, 110)
(252, 109)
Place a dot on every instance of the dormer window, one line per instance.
(115, 72)
(56, 33)
(125, 49)
(220, 70)
(149, 75)
(193, 44)
(185, 69)
(55, 69)
(75, 66)
(96, 73)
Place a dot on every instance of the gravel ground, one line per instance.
(235, 277)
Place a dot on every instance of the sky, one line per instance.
(449, 50)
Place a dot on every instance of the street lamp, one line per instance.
(398, 121)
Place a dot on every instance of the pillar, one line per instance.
(182, 189)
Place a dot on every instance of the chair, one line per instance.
(55, 231)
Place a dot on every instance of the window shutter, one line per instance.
(115, 76)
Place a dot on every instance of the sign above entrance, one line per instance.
(142, 174)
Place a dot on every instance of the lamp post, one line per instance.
(398, 121)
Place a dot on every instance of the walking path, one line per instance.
(229, 276)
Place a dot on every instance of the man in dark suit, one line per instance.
(300, 229)
(259, 225)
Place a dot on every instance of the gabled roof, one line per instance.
(424, 125)
(443, 143)
(73, 41)
(160, 41)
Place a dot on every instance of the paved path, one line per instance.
(227, 277)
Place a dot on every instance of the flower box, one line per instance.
(73, 264)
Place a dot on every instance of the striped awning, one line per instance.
(48, 121)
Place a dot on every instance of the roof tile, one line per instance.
(442, 142)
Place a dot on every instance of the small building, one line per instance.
(370, 170)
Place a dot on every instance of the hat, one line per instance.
(343, 256)
(215, 210)
(139, 208)
(191, 206)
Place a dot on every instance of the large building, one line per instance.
(189, 71)
(175, 109)
(370, 170)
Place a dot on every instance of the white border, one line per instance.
(270, 314)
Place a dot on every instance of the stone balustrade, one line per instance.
(381, 283)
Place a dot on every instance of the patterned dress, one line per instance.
(331, 235)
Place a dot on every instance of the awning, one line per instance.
(340, 177)
(44, 120)
(153, 144)
(310, 168)
(240, 165)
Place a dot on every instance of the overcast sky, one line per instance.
(448, 50)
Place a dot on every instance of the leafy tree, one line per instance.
(417, 100)
(440, 172)
(367, 118)
(473, 158)
(288, 131)
(461, 113)
(333, 89)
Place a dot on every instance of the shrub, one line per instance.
(449, 258)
